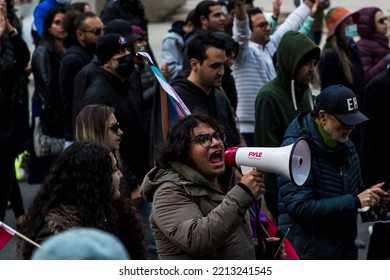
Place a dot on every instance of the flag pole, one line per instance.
(27, 239)
(163, 99)
(13, 232)
(164, 84)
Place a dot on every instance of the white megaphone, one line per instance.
(293, 161)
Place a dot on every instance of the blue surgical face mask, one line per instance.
(64, 2)
(350, 31)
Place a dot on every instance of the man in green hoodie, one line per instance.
(283, 98)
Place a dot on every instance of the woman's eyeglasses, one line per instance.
(97, 31)
(382, 20)
(114, 127)
(205, 140)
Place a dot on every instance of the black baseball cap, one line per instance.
(122, 27)
(109, 45)
(341, 102)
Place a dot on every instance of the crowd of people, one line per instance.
(155, 181)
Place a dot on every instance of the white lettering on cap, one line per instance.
(352, 104)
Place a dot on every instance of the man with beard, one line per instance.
(113, 87)
(282, 99)
(201, 90)
(88, 28)
(208, 17)
(323, 212)
(253, 66)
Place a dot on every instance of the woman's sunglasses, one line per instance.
(114, 127)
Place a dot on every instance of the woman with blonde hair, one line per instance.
(98, 123)
(340, 61)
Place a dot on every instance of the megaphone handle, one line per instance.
(246, 169)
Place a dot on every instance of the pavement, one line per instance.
(156, 32)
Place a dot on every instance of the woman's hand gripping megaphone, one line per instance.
(254, 180)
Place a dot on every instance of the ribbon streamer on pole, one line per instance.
(172, 106)
(166, 86)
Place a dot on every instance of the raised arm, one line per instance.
(240, 10)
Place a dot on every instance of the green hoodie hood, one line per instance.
(294, 50)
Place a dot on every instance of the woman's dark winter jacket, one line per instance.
(331, 72)
(373, 47)
(323, 212)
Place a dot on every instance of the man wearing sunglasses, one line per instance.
(88, 73)
(113, 87)
(88, 28)
(253, 66)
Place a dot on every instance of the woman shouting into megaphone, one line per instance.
(199, 211)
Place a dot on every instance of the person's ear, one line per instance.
(322, 116)
(203, 20)
(107, 65)
(80, 35)
(194, 63)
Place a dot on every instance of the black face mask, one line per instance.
(125, 65)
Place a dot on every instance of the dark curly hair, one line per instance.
(176, 147)
(82, 178)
